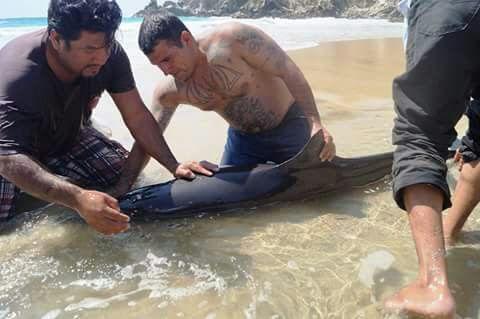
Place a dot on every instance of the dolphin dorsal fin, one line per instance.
(308, 155)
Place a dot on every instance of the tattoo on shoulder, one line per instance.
(251, 39)
(256, 43)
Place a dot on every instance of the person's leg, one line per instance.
(8, 194)
(429, 294)
(429, 99)
(467, 191)
(94, 162)
(466, 197)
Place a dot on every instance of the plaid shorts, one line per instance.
(94, 162)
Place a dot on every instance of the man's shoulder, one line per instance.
(231, 26)
(117, 54)
(229, 36)
(24, 53)
(23, 62)
(221, 42)
(226, 31)
(24, 46)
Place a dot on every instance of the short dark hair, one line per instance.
(70, 17)
(159, 27)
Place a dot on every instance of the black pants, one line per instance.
(443, 58)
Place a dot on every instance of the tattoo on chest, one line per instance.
(199, 91)
(221, 80)
(250, 115)
(224, 77)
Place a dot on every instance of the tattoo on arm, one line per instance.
(267, 52)
(32, 177)
(163, 115)
(262, 52)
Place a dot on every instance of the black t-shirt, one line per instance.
(40, 115)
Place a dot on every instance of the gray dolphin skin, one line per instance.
(303, 176)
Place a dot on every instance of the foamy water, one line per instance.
(290, 34)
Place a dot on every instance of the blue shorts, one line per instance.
(276, 145)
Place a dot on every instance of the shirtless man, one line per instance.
(242, 74)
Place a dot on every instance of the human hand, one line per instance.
(187, 170)
(329, 149)
(101, 211)
(458, 159)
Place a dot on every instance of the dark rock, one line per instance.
(384, 9)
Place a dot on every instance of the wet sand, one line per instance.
(352, 82)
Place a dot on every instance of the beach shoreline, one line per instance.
(333, 256)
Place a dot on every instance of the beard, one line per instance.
(91, 70)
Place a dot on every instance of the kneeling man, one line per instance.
(242, 74)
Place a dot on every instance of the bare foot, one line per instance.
(428, 301)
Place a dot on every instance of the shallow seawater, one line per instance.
(334, 256)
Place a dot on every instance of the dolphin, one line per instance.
(234, 187)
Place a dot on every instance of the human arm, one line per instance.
(98, 209)
(143, 127)
(20, 131)
(147, 130)
(262, 52)
(138, 158)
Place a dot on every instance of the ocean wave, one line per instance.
(289, 33)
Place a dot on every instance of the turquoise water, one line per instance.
(22, 22)
(39, 22)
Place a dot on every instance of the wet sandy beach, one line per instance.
(334, 256)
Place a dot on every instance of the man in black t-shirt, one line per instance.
(49, 81)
